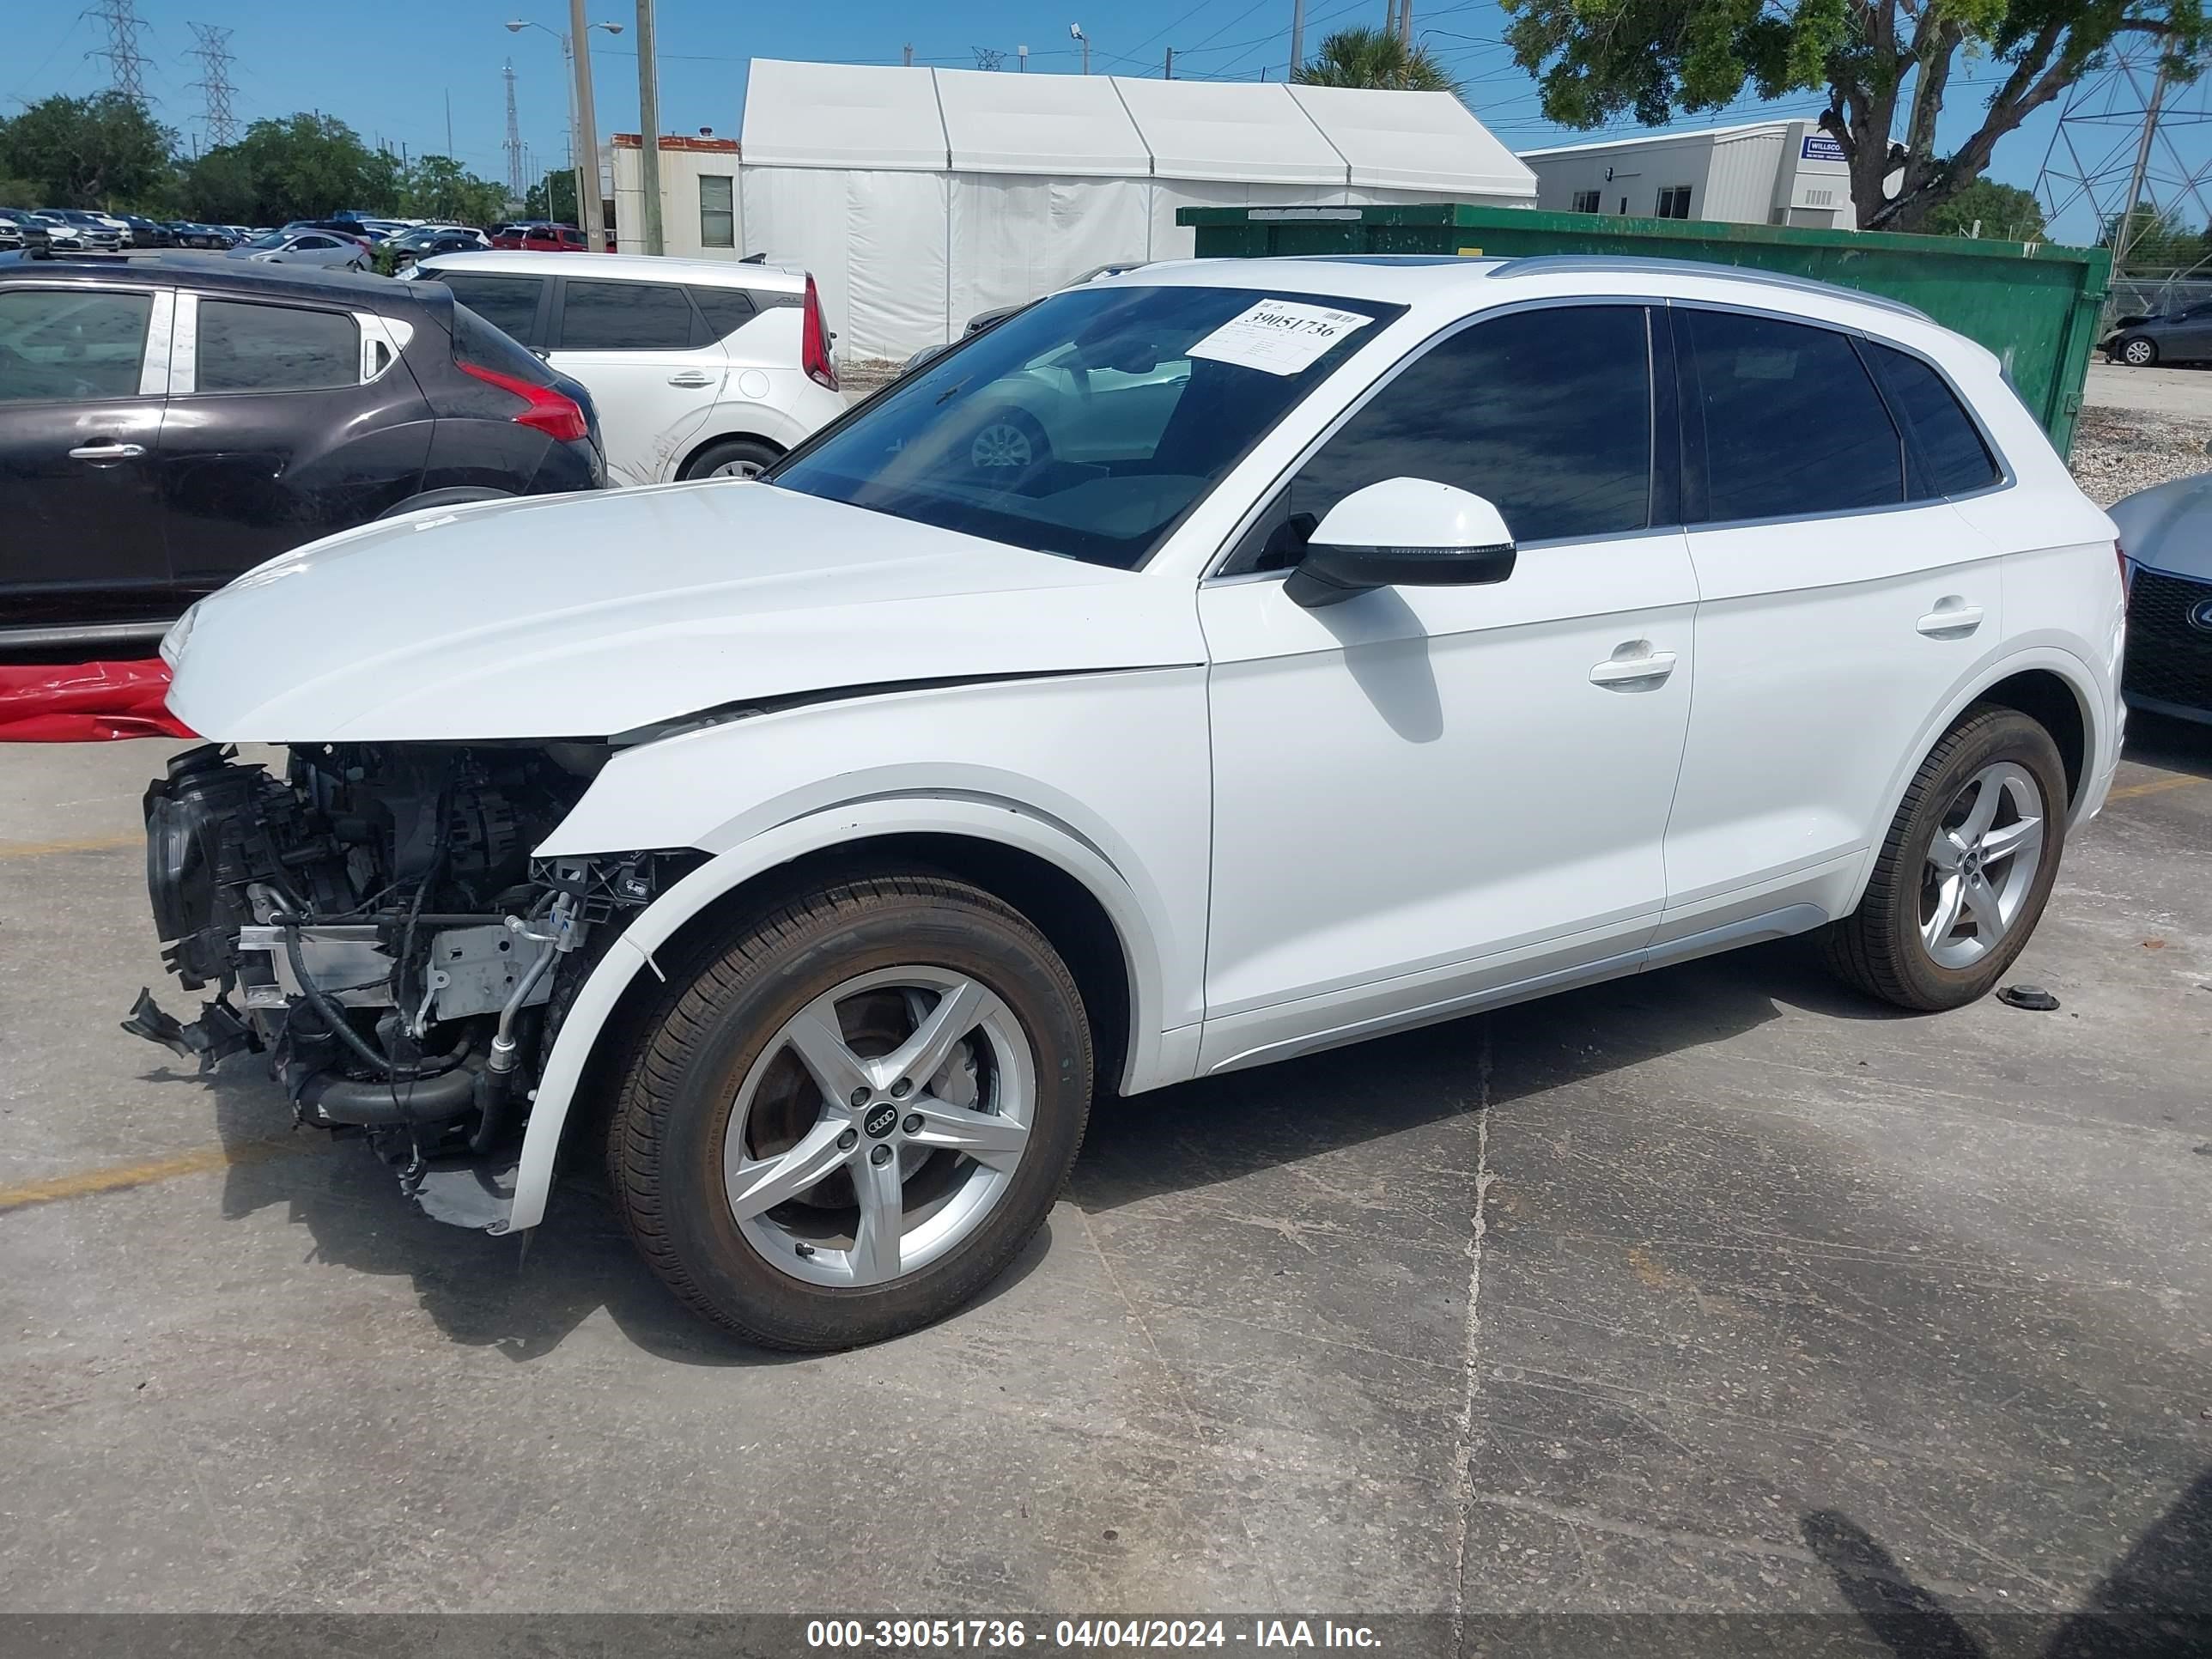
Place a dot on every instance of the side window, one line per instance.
(718, 213)
(248, 347)
(624, 317)
(1944, 452)
(1586, 201)
(508, 303)
(314, 244)
(1793, 425)
(62, 343)
(726, 309)
(1547, 413)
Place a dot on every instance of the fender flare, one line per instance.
(2101, 740)
(1010, 822)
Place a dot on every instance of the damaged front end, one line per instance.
(374, 920)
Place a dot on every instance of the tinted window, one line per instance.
(1944, 451)
(1546, 413)
(624, 317)
(1793, 425)
(255, 348)
(314, 244)
(727, 309)
(55, 343)
(476, 341)
(506, 302)
(1088, 424)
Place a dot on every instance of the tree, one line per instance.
(2156, 240)
(438, 187)
(101, 151)
(1375, 57)
(2004, 212)
(306, 167)
(553, 198)
(1597, 60)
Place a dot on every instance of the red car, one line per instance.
(539, 237)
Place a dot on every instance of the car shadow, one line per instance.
(2170, 745)
(2156, 1602)
(524, 1296)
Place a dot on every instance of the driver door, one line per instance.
(1425, 796)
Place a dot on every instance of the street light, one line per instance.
(583, 124)
(1075, 32)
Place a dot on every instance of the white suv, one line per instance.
(700, 368)
(1345, 645)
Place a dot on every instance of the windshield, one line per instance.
(272, 239)
(1089, 424)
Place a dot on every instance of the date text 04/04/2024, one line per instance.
(1007, 1635)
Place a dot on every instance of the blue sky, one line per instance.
(387, 69)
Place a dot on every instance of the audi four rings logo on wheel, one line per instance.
(845, 941)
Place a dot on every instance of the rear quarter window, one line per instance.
(1944, 451)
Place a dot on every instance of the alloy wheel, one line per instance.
(1001, 444)
(737, 469)
(1981, 865)
(880, 1127)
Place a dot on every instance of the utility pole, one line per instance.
(1168, 74)
(214, 54)
(909, 55)
(515, 155)
(449, 122)
(649, 130)
(1297, 35)
(2126, 231)
(1405, 24)
(590, 220)
(1075, 32)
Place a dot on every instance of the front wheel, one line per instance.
(1965, 871)
(2138, 353)
(854, 1117)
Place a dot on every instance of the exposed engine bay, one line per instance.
(373, 921)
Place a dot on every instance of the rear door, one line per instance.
(83, 377)
(1841, 599)
(283, 426)
(652, 364)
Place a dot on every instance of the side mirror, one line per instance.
(1408, 532)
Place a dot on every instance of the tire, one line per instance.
(732, 458)
(2137, 352)
(1888, 947)
(718, 1111)
(1008, 444)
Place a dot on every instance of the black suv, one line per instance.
(167, 424)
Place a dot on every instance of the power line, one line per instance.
(126, 63)
(219, 125)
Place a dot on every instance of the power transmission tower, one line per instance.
(988, 58)
(513, 146)
(126, 63)
(2133, 151)
(219, 125)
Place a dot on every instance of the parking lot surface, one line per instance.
(1715, 1289)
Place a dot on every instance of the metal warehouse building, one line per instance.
(1766, 173)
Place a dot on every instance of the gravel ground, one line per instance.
(2117, 451)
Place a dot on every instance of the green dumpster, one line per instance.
(2036, 306)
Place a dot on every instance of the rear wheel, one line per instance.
(855, 1116)
(731, 458)
(1965, 871)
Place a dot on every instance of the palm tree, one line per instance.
(1375, 57)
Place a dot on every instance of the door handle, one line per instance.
(1650, 667)
(106, 449)
(1951, 619)
(691, 377)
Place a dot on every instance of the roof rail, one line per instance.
(1544, 264)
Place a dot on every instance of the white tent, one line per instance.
(919, 196)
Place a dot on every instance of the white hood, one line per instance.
(586, 616)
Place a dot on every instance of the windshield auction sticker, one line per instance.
(1280, 337)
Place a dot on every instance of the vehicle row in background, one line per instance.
(700, 368)
(167, 424)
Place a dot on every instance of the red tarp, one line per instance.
(87, 702)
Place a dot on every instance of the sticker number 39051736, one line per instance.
(1280, 337)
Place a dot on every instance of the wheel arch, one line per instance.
(2052, 687)
(1061, 885)
(728, 434)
